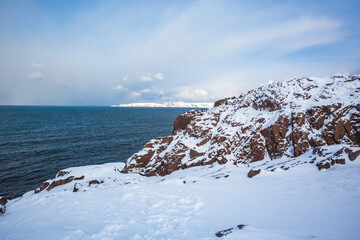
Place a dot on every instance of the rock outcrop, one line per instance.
(283, 119)
(95, 182)
(48, 185)
(253, 173)
(3, 201)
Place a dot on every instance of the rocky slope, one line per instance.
(266, 128)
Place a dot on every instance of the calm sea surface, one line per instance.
(37, 142)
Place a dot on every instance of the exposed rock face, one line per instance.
(183, 120)
(284, 119)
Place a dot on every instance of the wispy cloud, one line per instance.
(150, 92)
(120, 88)
(158, 76)
(36, 65)
(134, 95)
(36, 75)
(145, 91)
(191, 94)
(145, 78)
(151, 77)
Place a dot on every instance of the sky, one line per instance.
(99, 53)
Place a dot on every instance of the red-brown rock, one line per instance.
(183, 120)
(62, 173)
(77, 187)
(253, 173)
(257, 148)
(219, 102)
(42, 187)
(325, 165)
(95, 182)
(340, 161)
(48, 186)
(3, 201)
(352, 155)
(195, 154)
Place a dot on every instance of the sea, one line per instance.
(38, 141)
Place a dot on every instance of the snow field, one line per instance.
(301, 203)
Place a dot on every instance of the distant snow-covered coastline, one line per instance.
(168, 104)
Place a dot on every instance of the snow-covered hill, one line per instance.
(168, 104)
(248, 168)
(279, 121)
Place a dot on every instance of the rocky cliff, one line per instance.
(267, 128)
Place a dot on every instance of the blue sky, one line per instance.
(112, 52)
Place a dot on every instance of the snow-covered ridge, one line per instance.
(168, 104)
(281, 119)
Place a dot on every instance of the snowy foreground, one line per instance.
(196, 203)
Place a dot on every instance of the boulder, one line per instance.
(352, 155)
(253, 173)
(95, 182)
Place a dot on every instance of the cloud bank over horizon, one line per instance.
(108, 52)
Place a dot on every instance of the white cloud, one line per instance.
(36, 65)
(192, 94)
(145, 91)
(125, 79)
(159, 76)
(119, 87)
(135, 94)
(151, 77)
(151, 91)
(36, 75)
(145, 78)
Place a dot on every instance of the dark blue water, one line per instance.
(37, 142)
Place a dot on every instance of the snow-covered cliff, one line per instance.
(279, 121)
